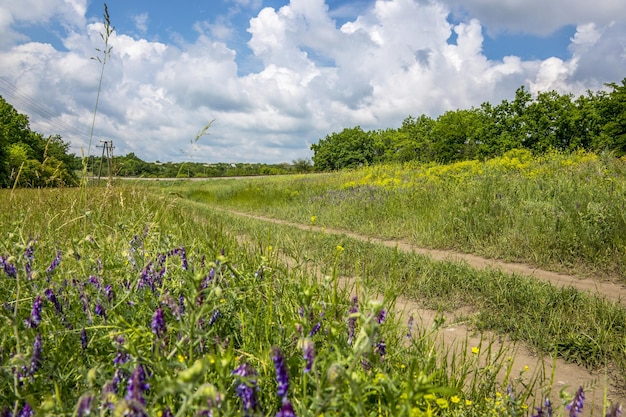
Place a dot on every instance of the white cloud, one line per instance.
(316, 76)
(541, 17)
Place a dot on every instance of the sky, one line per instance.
(279, 75)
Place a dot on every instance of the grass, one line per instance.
(562, 212)
(142, 305)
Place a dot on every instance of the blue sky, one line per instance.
(279, 75)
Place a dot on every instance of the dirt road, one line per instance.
(566, 376)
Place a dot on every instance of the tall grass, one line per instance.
(158, 309)
(563, 212)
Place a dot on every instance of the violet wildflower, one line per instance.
(286, 410)
(55, 263)
(27, 411)
(84, 406)
(615, 410)
(53, 299)
(282, 377)
(576, 406)
(354, 308)
(35, 360)
(545, 410)
(308, 351)
(315, 329)
(35, 314)
(382, 315)
(158, 323)
(93, 280)
(137, 385)
(166, 412)
(216, 314)
(100, 310)
(409, 332)
(83, 339)
(247, 387)
(181, 302)
(109, 292)
(381, 348)
(8, 267)
(120, 358)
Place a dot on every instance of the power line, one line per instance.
(33, 106)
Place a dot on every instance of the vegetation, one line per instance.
(28, 159)
(549, 121)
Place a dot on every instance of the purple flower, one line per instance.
(576, 406)
(158, 323)
(216, 314)
(35, 314)
(55, 263)
(354, 308)
(247, 387)
(315, 329)
(120, 358)
(409, 332)
(8, 267)
(100, 310)
(181, 302)
(108, 291)
(137, 385)
(93, 280)
(27, 411)
(545, 410)
(84, 406)
(286, 410)
(308, 351)
(35, 360)
(615, 410)
(53, 299)
(381, 348)
(166, 412)
(382, 315)
(83, 339)
(282, 377)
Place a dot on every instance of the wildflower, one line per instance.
(455, 399)
(27, 411)
(35, 360)
(382, 315)
(8, 267)
(216, 314)
(53, 299)
(35, 314)
(615, 410)
(100, 310)
(247, 387)
(158, 323)
(545, 410)
(55, 263)
(137, 385)
(409, 332)
(475, 350)
(166, 412)
(282, 377)
(576, 406)
(308, 351)
(354, 308)
(109, 292)
(381, 348)
(83, 339)
(286, 410)
(315, 329)
(84, 406)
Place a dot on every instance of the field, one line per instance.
(163, 298)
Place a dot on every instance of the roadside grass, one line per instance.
(576, 326)
(131, 303)
(563, 212)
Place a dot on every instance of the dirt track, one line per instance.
(566, 375)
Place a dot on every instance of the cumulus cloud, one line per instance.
(317, 73)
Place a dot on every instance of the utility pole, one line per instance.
(107, 148)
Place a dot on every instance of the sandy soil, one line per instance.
(566, 376)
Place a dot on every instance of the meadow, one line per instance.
(136, 299)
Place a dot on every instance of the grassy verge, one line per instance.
(136, 304)
(562, 212)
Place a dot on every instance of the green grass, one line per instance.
(559, 212)
(127, 257)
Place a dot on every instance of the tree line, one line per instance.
(550, 121)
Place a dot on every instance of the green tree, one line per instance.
(350, 148)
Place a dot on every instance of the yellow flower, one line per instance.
(181, 358)
(526, 368)
(313, 219)
(468, 402)
(475, 350)
(442, 402)
(455, 399)
(339, 248)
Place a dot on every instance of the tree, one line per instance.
(350, 148)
